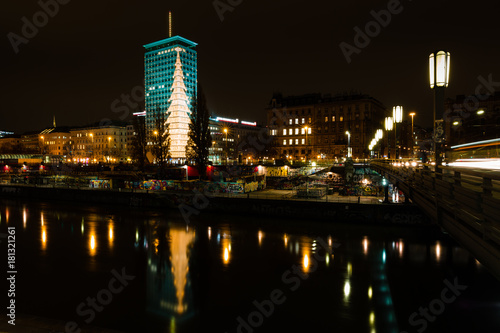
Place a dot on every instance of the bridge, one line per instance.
(462, 201)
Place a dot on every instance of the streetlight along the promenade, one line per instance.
(439, 77)
(412, 114)
(397, 116)
(389, 124)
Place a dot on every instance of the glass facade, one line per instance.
(159, 68)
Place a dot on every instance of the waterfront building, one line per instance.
(315, 126)
(236, 140)
(105, 144)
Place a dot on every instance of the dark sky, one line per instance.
(91, 52)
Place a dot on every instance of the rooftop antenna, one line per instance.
(169, 24)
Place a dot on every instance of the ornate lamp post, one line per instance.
(397, 116)
(389, 124)
(439, 76)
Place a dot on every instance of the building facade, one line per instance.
(235, 140)
(315, 126)
(472, 118)
(103, 144)
(171, 77)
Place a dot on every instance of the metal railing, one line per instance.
(465, 202)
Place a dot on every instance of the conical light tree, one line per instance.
(178, 113)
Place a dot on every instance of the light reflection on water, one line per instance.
(353, 281)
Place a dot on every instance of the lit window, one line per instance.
(333, 118)
(296, 131)
(290, 131)
(341, 118)
(309, 120)
(309, 130)
(291, 141)
(303, 120)
(296, 121)
(303, 141)
(326, 119)
(284, 142)
(303, 131)
(290, 121)
(296, 141)
(284, 131)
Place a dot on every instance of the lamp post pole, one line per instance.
(389, 123)
(412, 114)
(307, 143)
(397, 114)
(43, 145)
(109, 148)
(227, 154)
(439, 75)
(349, 154)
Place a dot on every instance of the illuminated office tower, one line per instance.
(170, 74)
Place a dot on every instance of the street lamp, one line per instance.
(412, 114)
(307, 143)
(389, 124)
(227, 155)
(43, 144)
(92, 136)
(397, 115)
(439, 77)
(349, 152)
(109, 148)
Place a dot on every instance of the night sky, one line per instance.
(90, 53)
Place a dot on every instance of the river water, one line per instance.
(136, 270)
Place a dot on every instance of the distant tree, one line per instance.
(161, 142)
(139, 142)
(200, 140)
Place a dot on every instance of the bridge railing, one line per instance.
(472, 196)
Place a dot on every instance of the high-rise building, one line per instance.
(170, 72)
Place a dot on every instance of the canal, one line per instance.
(136, 270)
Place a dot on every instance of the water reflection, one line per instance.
(226, 246)
(180, 246)
(43, 231)
(25, 217)
(92, 247)
(110, 233)
(365, 245)
(178, 269)
(169, 286)
(305, 250)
